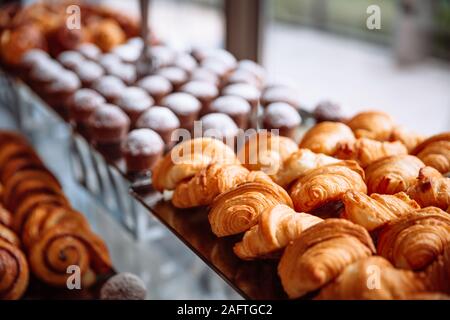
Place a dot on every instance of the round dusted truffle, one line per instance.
(245, 91)
(160, 119)
(280, 94)
(89, 72)
(134, 101)
(175, 75)
(71, 59)
(328, 111)
(185, 106)
(219, 126)
(236, 107)
(204, 91)
(142, 149)
(156, 86)
(282, 116)
(123, 286)
(90, 51)
(109, 87)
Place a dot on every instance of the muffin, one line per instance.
(108, 127)
(128, 53)
(71, 59)
(124, 71)
(163, 56)
(235, 107)
(110, 87)
(142, 149)
(186, 62)
(81, 105)
(175, 75)
(134, 101)
(161, 120)
(242, 76)
(109, 60)
(203, 74)
(280, 94)
(89, 72)
(31, 58)
(246, 91)
(220, 126)
(90, 51)
(328, 111)
(185, 106)
(156, 86)
(205, 92)
(58, 91)
(257, 70)
(43, 73)
(216, 66)
(282, 116)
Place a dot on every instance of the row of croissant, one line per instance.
(391, 240)
(39, 231)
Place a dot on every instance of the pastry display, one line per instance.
(81, 105)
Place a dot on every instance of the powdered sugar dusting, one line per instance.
(87, 99)
(108, 115)
(90, 51)
(243, 90)
(143, 141)
(134, 98)
(158, 118)
(201, 89)
(182, 103)
(218, 125)
(155, 84)
(281, 114)
(89, 71)
(71, 59)
(230, 105)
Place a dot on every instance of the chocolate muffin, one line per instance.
(110, 87)
(246, 91)
(81, 105)
(89, 72)
(42, 73)
(90, 51)
(124, 71)
(162, 120)
(280, 94)
(185, 106)
(235, 107)
(156, 86)
(205, 92)
(175, 75)
(220, 126)
(282, 116)
(142, 149)
(31, 58)
(186, 62)
(134, 101)
(328, 111)
(203, 74)
(71, 59)
(60, 90)
(108, 127)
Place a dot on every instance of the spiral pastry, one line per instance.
(374, 125)
(415, 240)
(14, 271)
(63, 246)
(326, 184)
(320, 254)
(393, 174)
(5, 217)
(238, 209)
(435, 152)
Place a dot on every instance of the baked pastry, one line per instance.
(142, 149)
(43, 73)
(30, 59)
(276, 228)
(266, 152)
(324, 137)
(110, 87)
(415, 240)
(208, 183)
(431, 189)
(435, 152)
(14, 271)
(71, 59)
(376, 210)
(220, 126)
(157, 86)
(188, 158)
(205, 75)
(235, 107)
(185, 106)
(239, 209)
(328, 111)
(438, 273)
(204, 91)
(5, 217)
(217, 66)
(280, 93)
(89, 72)
(177, 76)
(327, 184)
(58, 92)
(107, 34)
(374, 125)
(298, 164)
(62, 246)
(373, 278)
(248, 92)
(367, 151)
(242, 76)
(128, 52)
(90, 51)
(409, 138)
(282, 117)
(254, 68)
(185, 61)
(124, 71)
(320, 254)
(162, 120)
(392, 174)
(134, 101)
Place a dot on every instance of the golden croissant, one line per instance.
(367, 151)
(298, 164)
(277, 226)
(326, 184)
(438, 273)
(435, 152)
(431, 189)
(320, 254)
(238, 209)
(410, 139)
(376, 210)
(5, 217)
(392, 174)
(188, 158)
(374, 125)
(373, 278)
(266, 152)
(415, 240)
(14, 273)
(323, 137)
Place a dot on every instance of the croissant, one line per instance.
(435, 152)
(63, 246)
(374, 125)
(207, 184)
(392, 174)
(298, 164)
(373, 278)
(266, 152)
(14, 272)
(5, 217)
(367, 151)
(15, 149)
(188, 158)
(415, 240)
(277, 226)
(238, 209)
(438, 273)
(18, 164)
(431, 189)
(324, 136)
(407, 137)
(376, 210)
(326, 184)
(320, 254)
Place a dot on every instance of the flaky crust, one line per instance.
(409, 138)
(367, 151)
(298, 164)
(393, 174)
(320, 254)
(415, 240)
(376, 210)
(14, 273)
(239, 209)
(326, 184)
(435, 152)
(277, 226)
(188, 158)
(324, 136)
(438, 273)
(375, 125)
